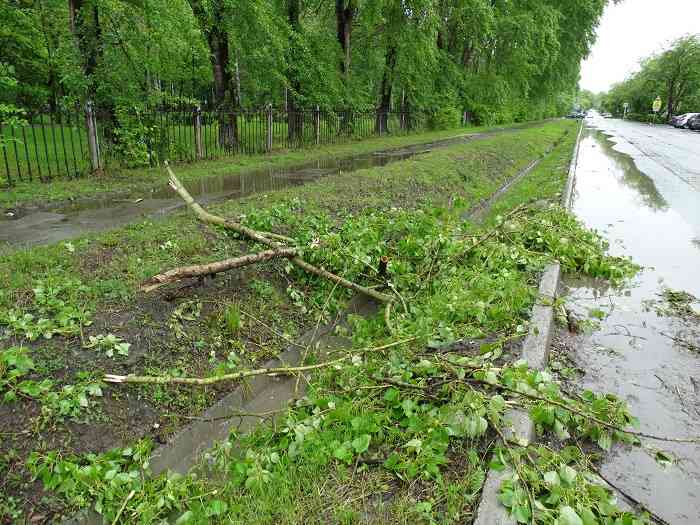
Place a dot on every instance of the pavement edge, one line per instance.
(536, 352)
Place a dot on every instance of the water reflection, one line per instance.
(637, 352)
(628, 172)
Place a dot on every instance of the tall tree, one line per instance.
(345, 12)
(212, 22)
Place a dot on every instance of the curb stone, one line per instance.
(536, 352)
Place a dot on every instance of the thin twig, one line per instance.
(516, 465)
(121, 509)
(639, 504)
(583, 414)
(203, 381)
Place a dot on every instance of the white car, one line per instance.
(681, 121)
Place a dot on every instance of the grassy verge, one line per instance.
(399, 435)
(137, 181)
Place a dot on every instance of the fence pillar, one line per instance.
(268, 136)
(93, 140)
(317, 125)
(199, 150)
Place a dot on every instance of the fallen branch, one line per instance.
(554, 403)
(583, 414)
(197, 270)
(259, 237)
(658, 519)
(277, 236)
(202, 381)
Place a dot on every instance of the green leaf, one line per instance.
(567, 475)
(605, 441)
(216, 507)
(521, 513)
(551, 478)
(361, 444)
(343, 453)
(187, 517)
(568, 516)
(588, 517)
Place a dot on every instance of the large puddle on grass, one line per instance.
(650, 359)
(46, 227)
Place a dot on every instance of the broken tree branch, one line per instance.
(201, 381)
(197, 270)
(256, 236)
(111, 378)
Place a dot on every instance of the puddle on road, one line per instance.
(652, 217)
(46, 227)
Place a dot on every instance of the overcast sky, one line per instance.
(631, 31)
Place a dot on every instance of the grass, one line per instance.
(136, 182)
(409, 211)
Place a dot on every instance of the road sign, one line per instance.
(626, 105)
(656, 106)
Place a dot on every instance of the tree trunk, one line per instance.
(295, 117)
(669, 103)
(85, 27)
(382, 119)
(217, 40)
(345, 11)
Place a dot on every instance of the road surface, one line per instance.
(639, 185)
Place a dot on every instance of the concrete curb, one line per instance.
(536, 353)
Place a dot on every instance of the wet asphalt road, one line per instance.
(640, 187)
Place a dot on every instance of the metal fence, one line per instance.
(68, 144)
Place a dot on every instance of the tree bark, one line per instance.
(217, 40)
(199, 270)
(345, 11)
(382, 119)
(295, 117)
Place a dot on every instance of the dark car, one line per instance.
(694, 122)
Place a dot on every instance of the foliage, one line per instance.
(58, 308)
(57, 404)
(564, 492)
(109, 344)
(501, 61)
(673, 75)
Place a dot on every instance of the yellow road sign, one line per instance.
(656, 106)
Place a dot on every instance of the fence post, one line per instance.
(199, 153)
(317, 125)
(93, 141)
(268, 137)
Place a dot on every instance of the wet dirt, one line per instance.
(650, 213)
(25, 228)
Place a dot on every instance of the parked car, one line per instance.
(681, 121)
(694, 122)
(576, 114)
(607, 115)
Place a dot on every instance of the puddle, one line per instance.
(46, 227)
(647, 212)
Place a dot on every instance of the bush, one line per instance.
(445, 118)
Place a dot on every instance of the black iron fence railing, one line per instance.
(67, 144)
